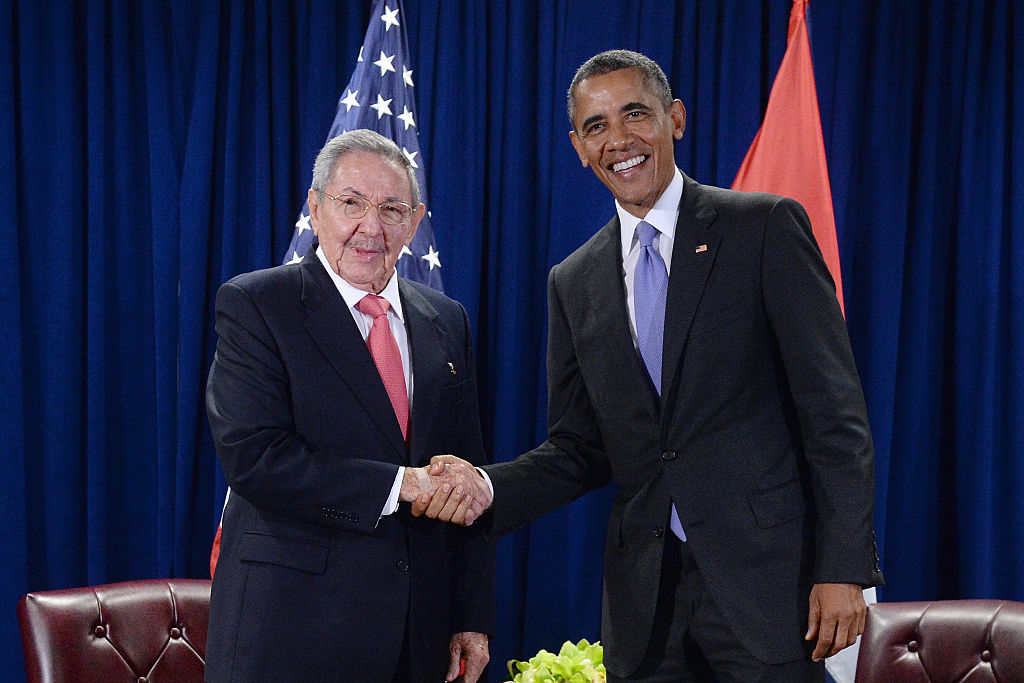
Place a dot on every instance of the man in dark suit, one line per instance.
(333, 379)
(697, 355)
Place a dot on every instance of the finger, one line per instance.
(451, 505)
(812, 620)
(419, 506)
(464, 513)
(475, 665)
(437, 465)
(454, 662)
(842, 638)
(826, 637)
(438, 501)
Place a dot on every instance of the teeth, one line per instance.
(628, 163)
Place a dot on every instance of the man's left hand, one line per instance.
(473, 648)
(836, 618)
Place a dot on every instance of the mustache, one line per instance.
(366, 245)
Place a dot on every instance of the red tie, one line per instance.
(384, 350)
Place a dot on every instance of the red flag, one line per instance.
(787, 156)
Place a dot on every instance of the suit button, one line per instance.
(402, 565)
(668, 455)
(659, 531)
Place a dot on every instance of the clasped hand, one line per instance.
(449, 489)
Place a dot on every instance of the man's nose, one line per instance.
(370, 224)
(619, 135)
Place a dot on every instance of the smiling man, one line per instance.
(333, 379)
(697, 355)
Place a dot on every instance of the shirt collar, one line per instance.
(663, 215)
(352, 295)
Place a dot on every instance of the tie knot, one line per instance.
(645, 232)
(373, 305)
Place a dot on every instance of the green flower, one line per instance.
(575, 663)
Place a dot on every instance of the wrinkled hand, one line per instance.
(836, 618)
(461, 496)
(471, 647)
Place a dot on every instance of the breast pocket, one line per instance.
(721, 316)
(453, 394)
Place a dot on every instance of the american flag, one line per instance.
(380, 97)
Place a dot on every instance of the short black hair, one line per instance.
(613, 60)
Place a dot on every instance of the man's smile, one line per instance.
(629, 163)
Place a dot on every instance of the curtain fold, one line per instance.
(152, 151)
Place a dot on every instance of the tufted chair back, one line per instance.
(151, 631)
(973, 641)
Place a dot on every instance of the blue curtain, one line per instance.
(152, 150)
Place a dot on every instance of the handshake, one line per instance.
(449, 489)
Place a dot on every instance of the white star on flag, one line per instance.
(385, 63)
(411, 156)
(390, 18)
(406, 117)
(406, 251)
(350, 100)
(407, 76)
(360, 58)
(381, 107)
(432, 257)
(302, 223)
(294, 259)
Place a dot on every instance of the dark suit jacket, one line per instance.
(760, 435)
(310, 586)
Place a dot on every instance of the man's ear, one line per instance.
(313, 199)
(417, 215)
(678, 113)
(578, 146)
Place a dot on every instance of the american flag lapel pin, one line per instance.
(451, 368)
(701, 249)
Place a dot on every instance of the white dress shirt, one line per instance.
(663, 216)
(396, 321)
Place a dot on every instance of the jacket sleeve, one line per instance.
(806, 321)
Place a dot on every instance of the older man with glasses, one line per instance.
(334, 381)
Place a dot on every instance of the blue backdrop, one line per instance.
(152, 150)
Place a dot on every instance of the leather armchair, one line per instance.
(948, 640)
(151, 631)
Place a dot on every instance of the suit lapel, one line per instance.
(330, 325)
(606, 293)
(429, 365)
(692, 257)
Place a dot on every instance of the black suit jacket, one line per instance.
(310, 585)
(760, 435)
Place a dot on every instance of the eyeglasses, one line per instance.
(392, 213)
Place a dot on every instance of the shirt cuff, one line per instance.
(392, 503)
(488, 480)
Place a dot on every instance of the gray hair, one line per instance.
(361, 140)
(650, 73)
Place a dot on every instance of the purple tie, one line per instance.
(650, 287)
